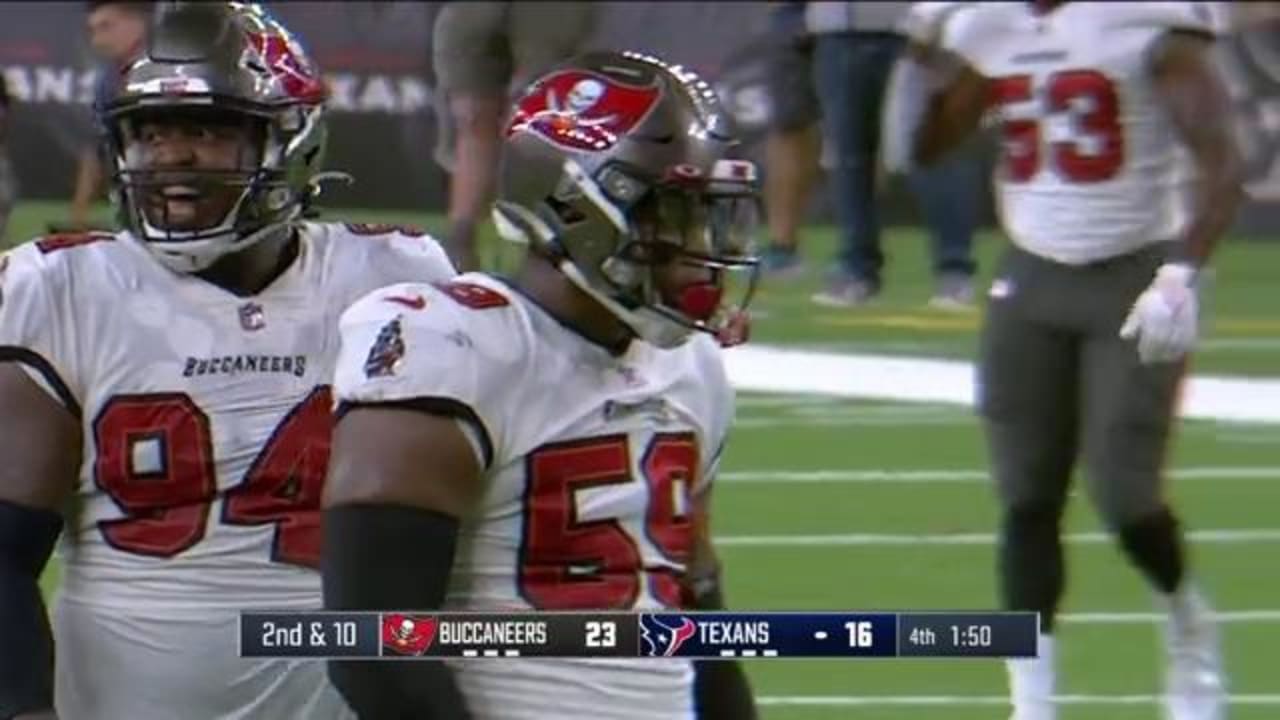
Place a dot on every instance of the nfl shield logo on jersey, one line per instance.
(407, 634)
(252, 317)
(388, 349)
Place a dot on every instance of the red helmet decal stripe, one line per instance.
(290, 67)
(582, 110)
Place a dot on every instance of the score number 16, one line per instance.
(859, 633)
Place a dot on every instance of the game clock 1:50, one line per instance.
(971, 636)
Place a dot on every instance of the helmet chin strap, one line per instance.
(656, 329)
(652, 326)
(656, 325)
(193, 256)
(196, 254)
(199, 255)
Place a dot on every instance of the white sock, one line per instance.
(1032, 682)
(1185, 604)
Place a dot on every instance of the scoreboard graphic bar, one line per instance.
(697, 635)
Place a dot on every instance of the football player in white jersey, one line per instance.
(1094, 307)
(172, 382)
(549, 442)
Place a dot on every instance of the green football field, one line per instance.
(840, 504)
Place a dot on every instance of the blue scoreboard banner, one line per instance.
(696, 635)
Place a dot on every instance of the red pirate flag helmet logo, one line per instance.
(289, 66)
(281, 59)
(583, 110)
(407, 634)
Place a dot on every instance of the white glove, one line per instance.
(1165, 318)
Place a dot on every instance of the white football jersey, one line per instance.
(591, 460)
(206, 420)
(1091, 165)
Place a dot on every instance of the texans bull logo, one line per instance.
(662, 636)
(582, 110)
(407, 634)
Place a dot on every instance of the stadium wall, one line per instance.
(378, 59)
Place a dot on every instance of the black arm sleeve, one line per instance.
(27, 536)
(391, 557)
(720, 687)
(721, 691)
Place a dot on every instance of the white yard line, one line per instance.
(1130, 618)
(775, 401)
(771, 369)
(942, 348)
(852, 420)
(875, 475)
(993, 700)
(1214, 537)
(1266, 344)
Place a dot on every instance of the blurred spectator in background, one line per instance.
(1246, 15)
(8, 184)
(482, 53)
(794, 143)
(117, 31)
(856, 44)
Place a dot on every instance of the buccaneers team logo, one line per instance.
(280, 56)
(287, 65)
(407, 634)
(582, 110)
